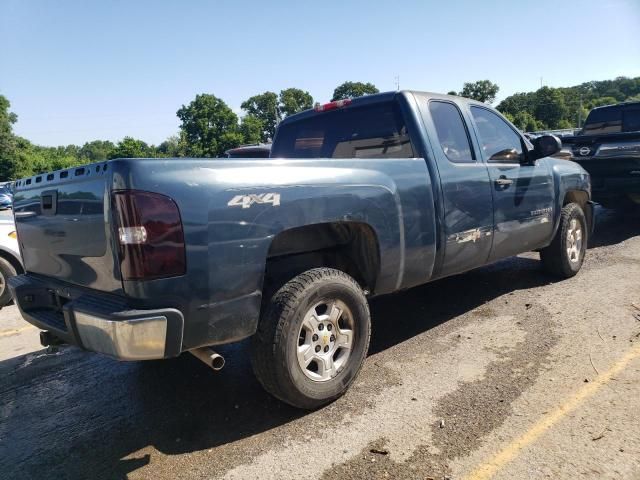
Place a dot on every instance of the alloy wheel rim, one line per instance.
(325, 340)
(574, 240)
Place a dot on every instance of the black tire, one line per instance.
(555, 258)
(275, 345)
(6, 271)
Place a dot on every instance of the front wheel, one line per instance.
(312, 338)
(565, 255)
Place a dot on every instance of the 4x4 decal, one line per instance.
(245, 201)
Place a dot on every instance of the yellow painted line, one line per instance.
(488, 469)
(15, 331)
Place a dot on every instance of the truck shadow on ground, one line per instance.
(79, 415)
(615, 226)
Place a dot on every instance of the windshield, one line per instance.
(615, 119)
(5, 189)
(371, 131)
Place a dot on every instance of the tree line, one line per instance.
(557, 108)
(209, 126)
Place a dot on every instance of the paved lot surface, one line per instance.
(499, 373)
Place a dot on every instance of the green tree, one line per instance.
(230, 140)
(550, 107)
(96, 150)
(204, 122)
(251, 128)
(525, 121)
(452, 92)
(602, 101)
(130, 147)
(8, 145)
(294, 100)
(266, 108)
(518, 102)
(170, 147)
(482, 91)
(353, 90)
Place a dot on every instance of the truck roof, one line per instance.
(380, 97)
(618, 105)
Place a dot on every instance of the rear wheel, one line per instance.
(6, 271)
(313, 338)
(565, 255)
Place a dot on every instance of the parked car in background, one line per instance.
(608, 147)
(10, 262)
(258, 150)
(363, 197)
(6, 196)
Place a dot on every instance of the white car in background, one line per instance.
(10, 262)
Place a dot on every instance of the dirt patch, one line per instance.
(469, 413)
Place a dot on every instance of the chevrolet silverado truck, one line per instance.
(608, 147)
(149, 258)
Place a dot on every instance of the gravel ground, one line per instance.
(502, 372)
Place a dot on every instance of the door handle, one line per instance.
(503, 181)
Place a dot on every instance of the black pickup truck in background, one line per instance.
(608, 147)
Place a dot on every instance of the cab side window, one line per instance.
(499, 143)
(451, 131)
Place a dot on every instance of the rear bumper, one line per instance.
(96, 321)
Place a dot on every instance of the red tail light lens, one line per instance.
(150, 236)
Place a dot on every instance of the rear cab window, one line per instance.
(451, 131)
(370, 131)
(603, 120)
(614, 119)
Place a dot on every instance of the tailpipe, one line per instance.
(209, 357)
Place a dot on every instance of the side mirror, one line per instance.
(545, 146)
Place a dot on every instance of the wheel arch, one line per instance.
(352, 247)
(13, 260)
(580, 197)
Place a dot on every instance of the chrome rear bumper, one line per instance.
(98, 322)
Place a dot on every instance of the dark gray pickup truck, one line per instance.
(149, 258)
(608, 147)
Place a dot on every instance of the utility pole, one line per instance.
(540, 82)
(397, 80)
(580, 113)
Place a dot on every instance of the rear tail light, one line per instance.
(332, 105)
(150, 236)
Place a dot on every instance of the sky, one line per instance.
(75, 71)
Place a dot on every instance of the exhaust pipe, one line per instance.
(209, 357)
(48, 339)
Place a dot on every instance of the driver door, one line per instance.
(522, 193)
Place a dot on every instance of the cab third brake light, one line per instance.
(332, 105)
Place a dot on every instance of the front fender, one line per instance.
(567, 177)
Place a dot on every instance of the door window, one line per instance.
(451, 131)
(499, 142)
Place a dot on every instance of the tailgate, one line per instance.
(63, 224)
